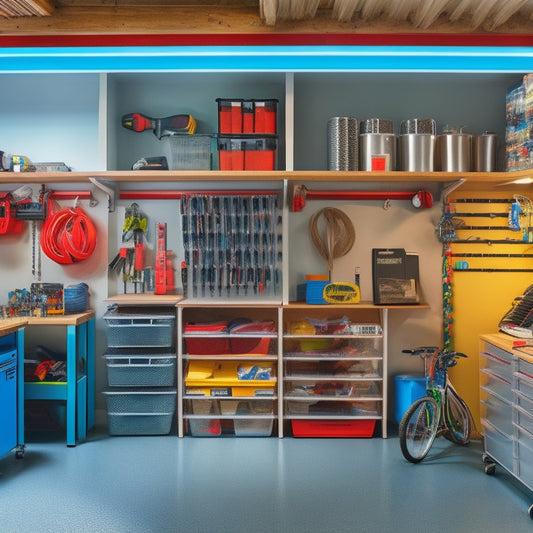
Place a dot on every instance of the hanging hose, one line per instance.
(339, 237)
(68, 236)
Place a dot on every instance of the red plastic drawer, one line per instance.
(333, 428)
(247, 152)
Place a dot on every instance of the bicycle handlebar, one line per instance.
(428, 351)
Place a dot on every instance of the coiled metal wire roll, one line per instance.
(338, 238)
(343, 143)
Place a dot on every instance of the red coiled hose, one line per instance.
(68, 236)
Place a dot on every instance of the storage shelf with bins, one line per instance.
(141, 396)
(334, 369)
(216, 398)
(97, 147)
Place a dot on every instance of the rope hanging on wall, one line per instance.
(339, 235)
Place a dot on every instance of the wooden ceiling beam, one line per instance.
(231, 19)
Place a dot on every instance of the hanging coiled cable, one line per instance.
(68, 235)
(339, 236)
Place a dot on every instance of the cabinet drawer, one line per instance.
(497, 366)
(499, 353)
(524, 457)
(523, 419)
(492, 384)
(498, 445)
(499, 413)
(523, 385)
(324, 389)
(524, 367)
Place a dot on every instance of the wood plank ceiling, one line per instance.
(472, 15)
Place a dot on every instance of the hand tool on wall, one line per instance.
(161, 260)
(172, 125)
(231, 241)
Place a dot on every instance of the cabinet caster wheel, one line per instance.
(486, 458)
(490, 469)
(530, 512)
(19, 454)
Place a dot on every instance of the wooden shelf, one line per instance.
(145, 299)
(476, 179)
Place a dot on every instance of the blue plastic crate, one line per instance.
(314, 293)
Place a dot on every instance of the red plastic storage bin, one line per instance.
(247, 152)
(333, 428)
(200, 343)
(251, 345)
(238, 115)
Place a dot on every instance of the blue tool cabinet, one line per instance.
(12, 391)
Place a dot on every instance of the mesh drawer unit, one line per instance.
(139, 327)
(137, 367)
(138, 411)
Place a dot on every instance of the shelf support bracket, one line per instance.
(110, 188)
(446, 191)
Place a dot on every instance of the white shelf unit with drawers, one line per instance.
(506, 394)
(214, 401)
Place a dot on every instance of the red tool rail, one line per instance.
(176, 195)
(300, 194)
(70, 195)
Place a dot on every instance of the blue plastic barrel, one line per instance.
(407, 390)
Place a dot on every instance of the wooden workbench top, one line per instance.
(509, 344)
(10, 325)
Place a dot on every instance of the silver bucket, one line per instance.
(416, 152)
(485, 152)
(454, 152)
(377, 149)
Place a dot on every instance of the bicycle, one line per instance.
(441, 412)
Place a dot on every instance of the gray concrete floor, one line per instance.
(253, 485)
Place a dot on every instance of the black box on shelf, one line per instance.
(394, 276)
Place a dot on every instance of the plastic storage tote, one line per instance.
(137, 367)
(189, 152)
(133, 328)
(137, 411)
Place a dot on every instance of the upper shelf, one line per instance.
(478, 180)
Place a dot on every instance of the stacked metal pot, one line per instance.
(418, 148)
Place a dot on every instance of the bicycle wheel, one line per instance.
(457, 418)
(418, 428)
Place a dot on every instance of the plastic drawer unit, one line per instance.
(141, 371)
(506, 393)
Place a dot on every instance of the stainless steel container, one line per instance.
(454, 151)
(377, 151)
(377, 125)
(416, 145)
(343, 143)
(485, 152)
